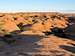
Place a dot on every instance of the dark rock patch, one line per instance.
(68, 48)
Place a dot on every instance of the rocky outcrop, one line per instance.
(41, 22)
(31, 31)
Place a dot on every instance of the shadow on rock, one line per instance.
(68, 48)
(24, 43)
(62, 33)
(9, 38)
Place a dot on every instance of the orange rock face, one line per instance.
(10, 26)
(42, 21)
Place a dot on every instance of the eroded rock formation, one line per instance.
(41, 22)
(34, 29)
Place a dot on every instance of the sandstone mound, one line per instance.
(36, 22)
(55, 29)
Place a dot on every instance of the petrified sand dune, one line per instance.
(55, 29)
(39, 21)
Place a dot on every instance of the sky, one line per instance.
(37, 5)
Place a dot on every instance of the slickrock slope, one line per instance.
(38, 21)
(53, 32)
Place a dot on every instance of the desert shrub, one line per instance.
(36, 16)
(14, 18)
(71, 19)
(20, 26)
(34, 21)
(45, 16)
(53, 16)
(47, 33)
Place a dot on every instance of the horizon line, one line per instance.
(16, 11)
